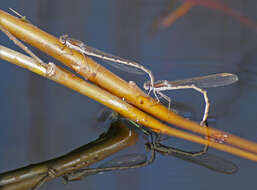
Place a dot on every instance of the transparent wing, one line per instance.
(125, 161)
(180, 108)
(112, 60)
(128, 160)
(207, 160)
(106, 114)
(209, 81)
(103, 115)
(125, 68)
(185, 110)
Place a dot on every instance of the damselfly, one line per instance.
(120, 62)
(126, 161)
(201, 158)
(196, 83)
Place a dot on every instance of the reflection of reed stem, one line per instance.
(117, 138)
(177, 14)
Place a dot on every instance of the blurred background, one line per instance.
(41, 120)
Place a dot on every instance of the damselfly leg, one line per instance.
(201, 158)
(196, 83)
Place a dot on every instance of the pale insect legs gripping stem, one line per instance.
(196, 83)
(89, 51)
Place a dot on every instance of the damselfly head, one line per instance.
(63, 38)
(157, 84)
(147, 85)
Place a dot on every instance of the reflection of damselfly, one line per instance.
(121, 63)
(201, 158)
(130, 161)
(196, 83)
(204, 159)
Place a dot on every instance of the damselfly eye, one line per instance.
(62, 39)
(147, 85)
